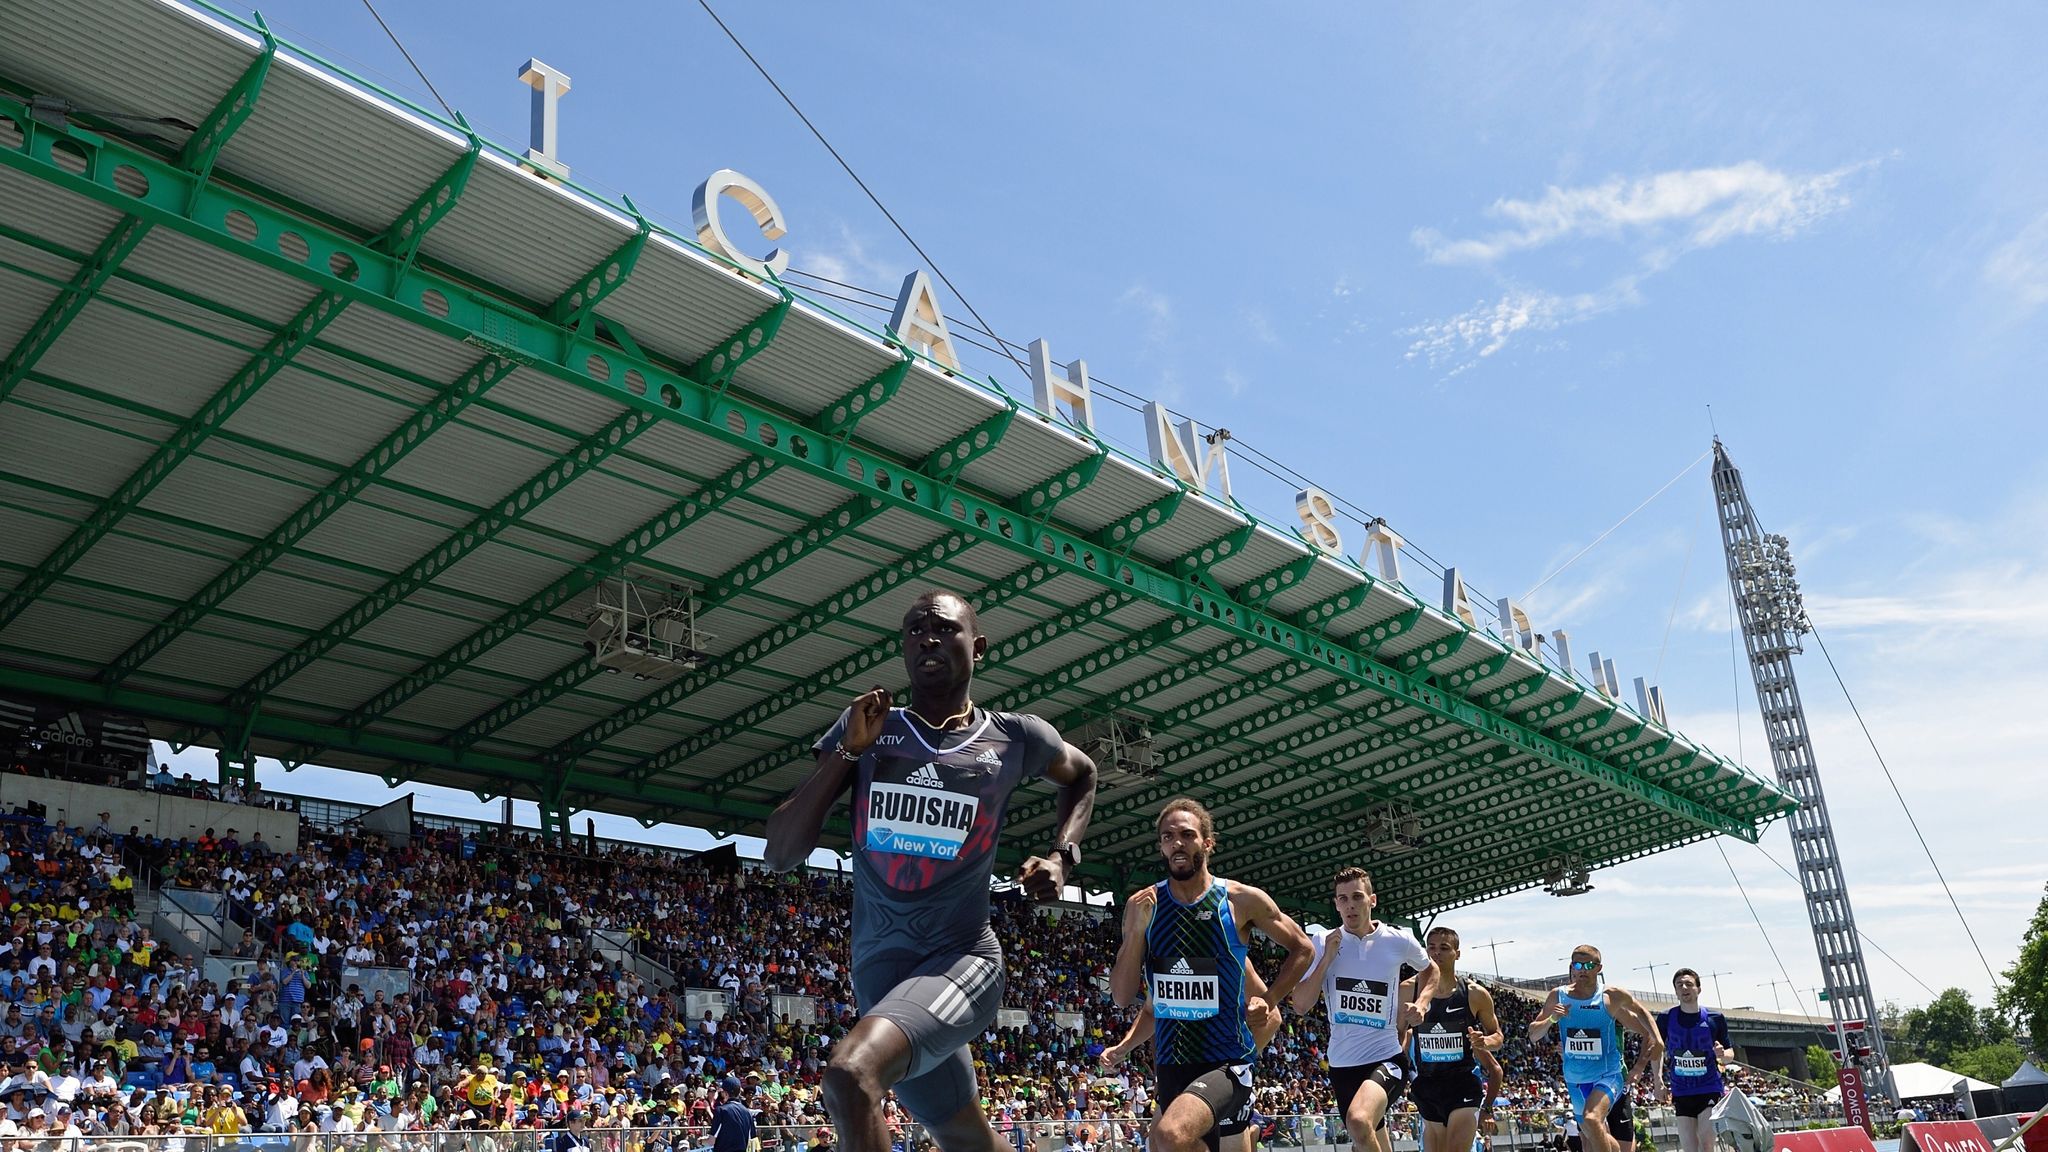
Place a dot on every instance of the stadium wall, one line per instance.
(155, 813)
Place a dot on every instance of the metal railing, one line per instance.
(1518, 1129)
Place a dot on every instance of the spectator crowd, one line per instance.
(473, 979)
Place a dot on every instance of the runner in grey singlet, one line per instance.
(928, 808)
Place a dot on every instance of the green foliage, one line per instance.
(1821, 1068)
(2025, 995)
(1945, 1027)
(1991, 1063)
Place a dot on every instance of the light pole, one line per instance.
(1493, 946)
(1652, 970)
(1777, 1005)
(1716, 978)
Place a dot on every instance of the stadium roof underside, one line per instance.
(320, 424)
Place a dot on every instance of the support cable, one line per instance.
(417, 70)
(1896, 963)
(1559, 570)
(1761, 930)
(1904, 807)
(877, 200)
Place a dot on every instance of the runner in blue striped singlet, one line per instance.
(1184, 946)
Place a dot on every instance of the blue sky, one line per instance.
(1480, 272)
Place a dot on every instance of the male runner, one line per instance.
(1142, 1026)
(1698, 1042)
(1594, 1014)
(1456, 1038)
(931, 783)
(1358, 971)
(1187, 945)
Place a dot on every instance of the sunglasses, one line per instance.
(1584, 965)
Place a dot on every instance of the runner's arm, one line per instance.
(1424, 990)
(1140, 1027)
(1265, 915)
(1495, 1077)
(1127, 975)
(1722, 1052)
(1490, 1037)
(1074, 772)
(1552, 1012)
(1310, 990)
(794, 826)
(1630, 1014)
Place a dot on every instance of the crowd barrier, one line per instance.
(1324, 1132)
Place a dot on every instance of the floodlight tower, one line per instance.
(1760, 573)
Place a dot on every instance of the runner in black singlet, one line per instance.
(930, 784)
(1458, 1030)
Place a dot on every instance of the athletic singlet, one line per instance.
(1439, 1044)
(1362, 990)
(1194, 966)
(1592, 1048)
(927, 809)
(1695, 1066)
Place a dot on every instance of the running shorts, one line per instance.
(1436, 1097)
(1226, 1088)
(1390, 1075)
(1691, 1106)
(939, 1003)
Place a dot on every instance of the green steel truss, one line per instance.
(1434, 713)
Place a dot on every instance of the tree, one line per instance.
(2025, 995)
(1821, 1068)
(1991, 1063)
(1993, 1025)
(1945, 1027)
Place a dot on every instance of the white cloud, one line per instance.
(1486, 328)
(2020, 265)
(1659, 218)
(1154, 308)
(1706, 206)
(846, 257)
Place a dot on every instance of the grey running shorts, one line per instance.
(940, 1003)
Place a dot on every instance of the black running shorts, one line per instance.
(1226, 1088)
(1436, 1097)
(1691, 1106)
(1390, 1075)
(940, 1004)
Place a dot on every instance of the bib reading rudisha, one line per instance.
(927, 812)
(1361, 989)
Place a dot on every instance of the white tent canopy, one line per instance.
(1916, 1081)
(2028, 1074)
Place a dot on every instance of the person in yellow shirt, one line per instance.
(225, 1117)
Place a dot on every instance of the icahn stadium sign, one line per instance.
(1197, 460)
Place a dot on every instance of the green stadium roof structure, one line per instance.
(321, 422)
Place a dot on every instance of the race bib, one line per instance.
(919, 817)
(1691, 1065)
(1361, 1002)
(1582, 1044)
(1185, 988)
(1440, 1047)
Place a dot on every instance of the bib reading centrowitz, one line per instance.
(1440, 1047)
(1362, 1002)
(1186, 988)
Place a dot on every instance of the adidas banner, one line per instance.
(83, 733)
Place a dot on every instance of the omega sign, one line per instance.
(1182, 451)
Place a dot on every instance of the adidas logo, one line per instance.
(1180, 968)
(988, 756)
(69, 730)
(926, 777)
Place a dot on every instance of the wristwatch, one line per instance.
(1070, 855)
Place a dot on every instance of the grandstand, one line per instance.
(327, 461)
(447, 470)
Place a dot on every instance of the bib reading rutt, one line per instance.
(928, 809)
